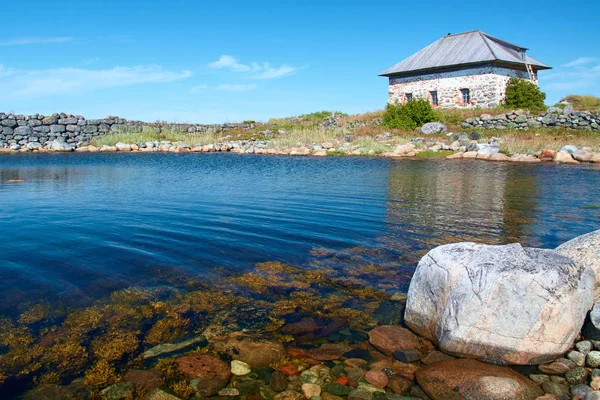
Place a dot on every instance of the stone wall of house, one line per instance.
(487, 86)
(76, 130)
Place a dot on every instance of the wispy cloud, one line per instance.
(581, 61)
(227, 87)
(39, 83)
(230, 63)
(582, 74)
(253, 70)
(34, 40)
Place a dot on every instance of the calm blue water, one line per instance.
(80, 226)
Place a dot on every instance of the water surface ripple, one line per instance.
(83, 225)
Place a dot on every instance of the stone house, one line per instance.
(464, 70)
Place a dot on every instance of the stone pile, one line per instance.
(553, 117)
(21, 130)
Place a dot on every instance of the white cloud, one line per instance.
(269, 72)
(34, 40)
(584, 78)
(39, 83)
(231, 63)
(581, 61)
(227, 87)
(253, 70)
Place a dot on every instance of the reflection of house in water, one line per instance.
(436, 202)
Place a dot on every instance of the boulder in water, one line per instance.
(471, 379)
(585, 249)
(504, 304)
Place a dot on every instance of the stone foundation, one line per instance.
(487, 86)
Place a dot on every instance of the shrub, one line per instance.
(524, 94)
(408, 116)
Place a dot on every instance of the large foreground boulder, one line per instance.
(585, 249)
(470, 379)
(502, 304)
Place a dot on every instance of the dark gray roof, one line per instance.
(464, 48)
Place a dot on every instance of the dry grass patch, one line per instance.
(150, 135)
(537, 140)
(306, 137)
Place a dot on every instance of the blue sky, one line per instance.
(205, 62)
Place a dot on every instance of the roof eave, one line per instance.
(426, 70)
(435, 68)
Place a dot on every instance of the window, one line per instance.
(408, 97)
(434, 98)
(466, 96)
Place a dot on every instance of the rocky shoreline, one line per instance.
(462, 148)
(489, 322)
(65, 133)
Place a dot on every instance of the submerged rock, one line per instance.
(503, 304)
(204, 367)
(309, 329)
(119, 391)
(170, 349)
(471, 379)
(259, 354)
(391, 338)
(158, 394)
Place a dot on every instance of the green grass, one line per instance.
(305, 137)
(313, 117)
(151, 135)
(321, 115)
(425, 154)
(583, 101)
(368, 144)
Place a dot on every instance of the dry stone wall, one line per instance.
(554, 117)
(22, 130)
(487, 86)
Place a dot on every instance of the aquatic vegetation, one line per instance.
(182, 389)
(100, 375)
(48, 377)
(168, 369)
(167, 330)
(115, 345)
(108, 334)
(67, 358)
(254, 282)
(36, 313)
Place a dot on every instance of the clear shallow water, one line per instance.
(80, 226)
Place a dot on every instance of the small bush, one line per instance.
(524, 94)
(408, 116)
